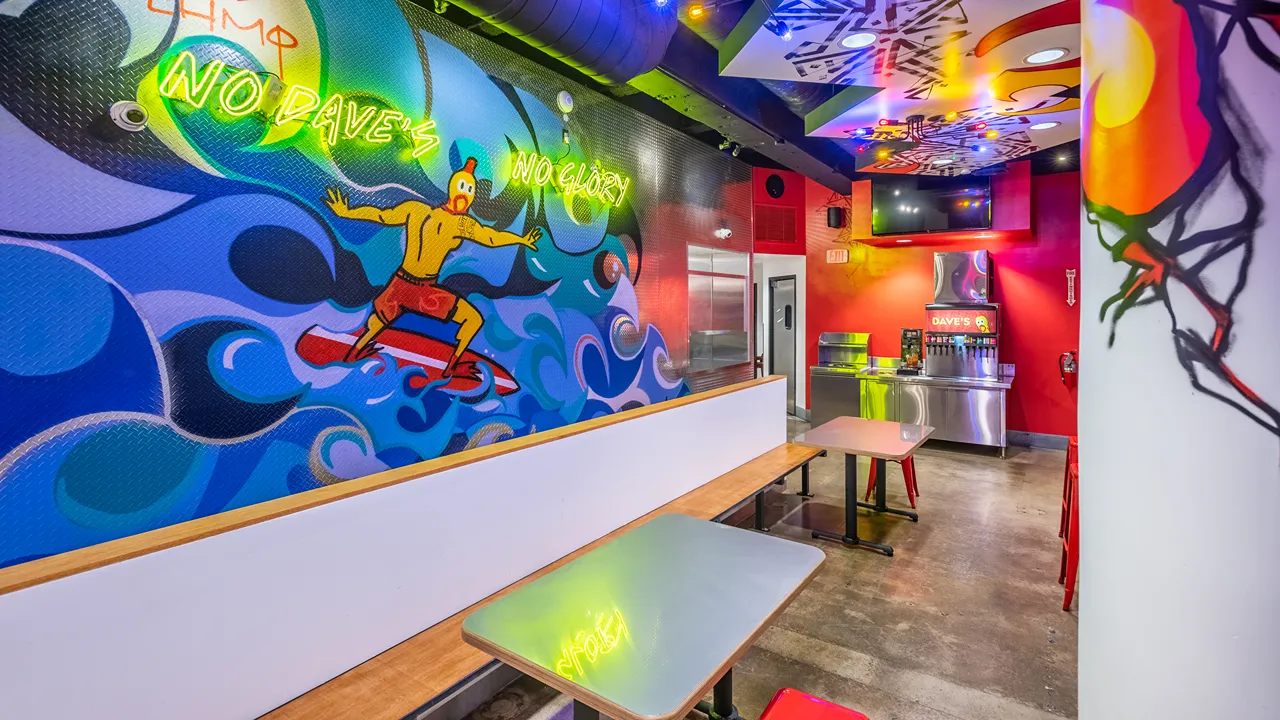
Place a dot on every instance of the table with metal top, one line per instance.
(644, 626)
(880, 440)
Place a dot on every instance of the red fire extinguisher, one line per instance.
(1068, 366)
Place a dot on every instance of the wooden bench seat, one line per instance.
(403, 678)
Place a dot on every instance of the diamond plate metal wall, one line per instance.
(180, 296)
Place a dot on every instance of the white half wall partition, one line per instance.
(1179, 594)
(233, 624)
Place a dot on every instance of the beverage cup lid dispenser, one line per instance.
(912, 351)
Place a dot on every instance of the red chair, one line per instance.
(1073, 457)
(791, 704)
(1070, 565)
(908, 475)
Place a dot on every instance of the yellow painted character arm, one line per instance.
(392, 216)
(469, 229)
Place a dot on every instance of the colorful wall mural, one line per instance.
(347, 237)
(1174, 178)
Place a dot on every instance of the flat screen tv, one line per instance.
(905, 204)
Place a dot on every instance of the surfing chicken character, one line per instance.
(430, 235)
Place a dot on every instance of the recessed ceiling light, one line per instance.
(1045, 56)
(1044, 125)
(858, 40)
(942, 161)
(1062, 158)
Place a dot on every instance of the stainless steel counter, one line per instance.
(891, 376)
(961, 409)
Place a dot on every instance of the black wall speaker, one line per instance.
(774, 186)
(835, 217)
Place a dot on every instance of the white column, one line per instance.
(1179, 594)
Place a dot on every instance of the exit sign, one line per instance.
(835, 257)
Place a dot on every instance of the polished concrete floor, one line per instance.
(964, 622)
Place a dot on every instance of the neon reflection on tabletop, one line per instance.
(589, 646)
(338, 118)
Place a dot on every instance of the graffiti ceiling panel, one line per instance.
(939, 87)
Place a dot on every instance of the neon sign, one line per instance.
(571, 178)
(337, 118)
(587, 647)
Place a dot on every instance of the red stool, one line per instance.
(1073, 457)
(908, 475)
(1070, 565)
(791, 704)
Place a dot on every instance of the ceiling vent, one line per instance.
(775, 223)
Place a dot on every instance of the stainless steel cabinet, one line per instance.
(834, 394)
(975, 416)
(971, 415)
(914, 405)
(879, 399)
(956, 412)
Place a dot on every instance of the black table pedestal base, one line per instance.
(721, 707)
(705, 708)
(851, 505)
(853, 541)
(892, 511)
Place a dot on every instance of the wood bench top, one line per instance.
(398, 681)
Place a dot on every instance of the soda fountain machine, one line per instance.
(962, 333)
(962, 393)
(962, 341)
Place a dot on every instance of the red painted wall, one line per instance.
(793, 196)
(884, 289)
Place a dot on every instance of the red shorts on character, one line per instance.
(406, 293)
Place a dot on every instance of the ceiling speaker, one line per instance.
(835, 217)
(774, 185)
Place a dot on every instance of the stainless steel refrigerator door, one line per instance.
(782, 336)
